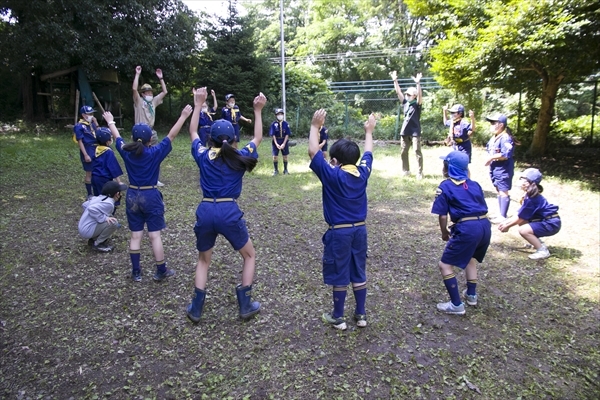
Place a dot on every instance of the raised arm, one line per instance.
(199, 99)
(318, 120)
(472, 117)
(110, 120)
(396, 86)
(369, 128)
(136, 81)
(417, 80)
(214, 96)
(444, 114)
(259, 103)
(185, 113)
(163, 85)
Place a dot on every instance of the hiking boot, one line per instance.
(361, 320)
(136, 275)
(337, 323)
(102, 247)
(450, 308)
(541, 254)
(91, 242)
(158, 276)
(470, 299)
(275, 173)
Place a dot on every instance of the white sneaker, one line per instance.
(419, 177)
(450, 308)
(541, 254)
(160, 184)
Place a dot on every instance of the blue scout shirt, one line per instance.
(105, 164)
(86, 133)
(217, 180)
(204, 124)
(143, 170)
(232, 115)
(411, 126)
(460, 135)
(503, 144)
(536, 208)
(280, 130)
(460, 199)
(344, 189)
(323, 134)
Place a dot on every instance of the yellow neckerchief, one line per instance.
(84, 122)
(457, 182)
(233, 118)
(101, 150)
(213, 153)
(208, 114)
(351, 169)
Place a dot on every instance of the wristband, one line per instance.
(111, 123)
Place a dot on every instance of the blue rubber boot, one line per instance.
(247, 307)
(194, 310)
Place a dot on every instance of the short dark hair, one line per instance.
(345, 151)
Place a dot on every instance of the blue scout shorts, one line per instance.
(345, 256)
(223, 218)
(285, 151)
(145, 207)
(501, 179)
(88, 166)
(468, 239)
(547, 227)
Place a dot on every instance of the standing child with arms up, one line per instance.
(145, 206)
(345, 210)
(222, 168)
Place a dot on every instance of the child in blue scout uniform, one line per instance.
(280, 134)
(144, 201)
(231, 113)
(323, 138)
(106, 166)
(345, 211)
(536, 217)
(469, 237)
(460, 130)
(500, 150)
(207, 116)
(85, 136)
(222, 168)
(411, 126)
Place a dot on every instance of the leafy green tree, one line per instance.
(39, 36)
(533, 46)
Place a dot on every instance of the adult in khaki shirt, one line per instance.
(145, 103)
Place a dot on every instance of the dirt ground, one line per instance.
(74, 326)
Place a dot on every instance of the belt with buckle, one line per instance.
(472, 218)
(347, 225)
(142, 187)
(543, 219)
(219, 200)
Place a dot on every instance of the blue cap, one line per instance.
(457, 108)
(497, 117)
(229, 96)
(532, 175)
(103, 135)
(111, 188)
(458, 164)
(222, 127)
(86, 110)
(141, 132)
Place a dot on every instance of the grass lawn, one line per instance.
(73, 325)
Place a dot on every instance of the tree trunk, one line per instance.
(549, 91)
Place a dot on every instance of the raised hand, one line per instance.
(187, 111)
(138, 70)
(159, 73)
(370, 123)
(318, 118)
(259, 102)
(394, 75)
(417, 78)
(199, 96)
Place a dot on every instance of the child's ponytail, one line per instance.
(231, 157)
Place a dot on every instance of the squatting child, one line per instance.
(345, 210)
(536, 217)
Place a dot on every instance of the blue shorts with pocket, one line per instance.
(345, 256)
(223, 218)
(501, 179)
(547, 227)
(285, 151)
(468, 239)
(145, 207)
